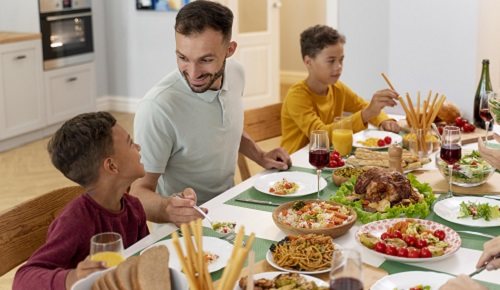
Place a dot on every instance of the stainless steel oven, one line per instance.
(66, 27)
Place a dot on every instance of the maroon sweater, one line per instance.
(68, 240)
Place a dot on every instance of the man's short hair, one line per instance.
(79, 147)
(199, 15)
(315, 38)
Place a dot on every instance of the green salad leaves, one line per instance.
(478, 210)
(416, 210)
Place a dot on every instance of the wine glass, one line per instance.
(494, 106)
(346, 273)
(319, 153)
(107, 247)
(484, 113)
(451, 151)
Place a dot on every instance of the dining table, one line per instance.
(257, 218)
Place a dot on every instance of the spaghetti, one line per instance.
(310, 252)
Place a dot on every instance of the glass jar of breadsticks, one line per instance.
(423, 138)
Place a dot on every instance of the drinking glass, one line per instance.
(484, 113)
(494, 106)
(319, 153)
(451, 151)
(107, 247)
(346, 273)
(342, 136)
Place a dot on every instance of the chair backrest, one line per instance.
(23, 229)
(261, 124)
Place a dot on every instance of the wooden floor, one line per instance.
(26, 172)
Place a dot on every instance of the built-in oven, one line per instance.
(66, 27)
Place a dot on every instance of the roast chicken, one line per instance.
(381, 188)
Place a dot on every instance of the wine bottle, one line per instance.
(483, 87)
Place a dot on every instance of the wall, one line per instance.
(489, 40)
(140, 48)
(295, 16)
(19, 16)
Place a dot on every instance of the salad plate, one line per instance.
(272, 275)
(211, 246)
(377, 228)
(449, 209)
(306, 183)
(363, 136)
(407, 280)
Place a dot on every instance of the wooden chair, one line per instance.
(261, 124)
(23, 229)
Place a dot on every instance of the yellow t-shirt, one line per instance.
(304, 111)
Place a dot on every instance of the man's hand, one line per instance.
(179, 208)
(491, 249)
(83, 269)
(491, 155)
(381, 99)
(391, 126)
(277, 158)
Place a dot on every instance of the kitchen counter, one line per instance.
(9, 37)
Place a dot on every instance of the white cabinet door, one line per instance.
(21, 88)
(70, 91)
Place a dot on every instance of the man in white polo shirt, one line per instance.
(190, 125)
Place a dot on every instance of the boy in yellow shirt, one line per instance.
(313, 103)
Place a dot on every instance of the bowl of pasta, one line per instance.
(314, 217)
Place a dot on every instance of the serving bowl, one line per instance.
(314, 217)
(471, 170)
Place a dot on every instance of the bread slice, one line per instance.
(109, 280)
(124, 271)
(152, 269)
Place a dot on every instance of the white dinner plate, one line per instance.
(177, 278)
(365, 134)
(271, 275)
(449, 209)
(213, 245)
(377, 228)
(270, 260)
(406, 280)
(308, 183)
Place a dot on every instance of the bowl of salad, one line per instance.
(314, 216)
(471, 170)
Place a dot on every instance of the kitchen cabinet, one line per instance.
(70, 91)
(22, 105)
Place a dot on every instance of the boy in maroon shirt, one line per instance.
(97, 153)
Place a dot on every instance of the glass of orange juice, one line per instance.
(342, 135)
(107, 247)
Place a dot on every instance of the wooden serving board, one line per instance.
(370, 274)
(471, 137)
(440, 184)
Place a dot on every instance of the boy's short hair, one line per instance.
(315, 38)
(78, 148)
(199, 15)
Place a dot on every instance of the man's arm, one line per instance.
(276, 158)
(160, 209)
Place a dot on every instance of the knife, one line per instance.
(256, 201)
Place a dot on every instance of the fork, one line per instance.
(479, 270)
(198, 209)
(477, 234)
(230, 237)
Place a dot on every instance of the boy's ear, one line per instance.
(110, 166)
(307, 60)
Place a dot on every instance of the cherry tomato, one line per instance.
(341, 162)
(397, 234)
(391, 250)
(440, 130)
(380, 142)
(335, 154)
(380, 247)
(421, 244)
(468, 128)
(410, 241)
(439, 234)
(385, 236)
(425, 253)
(413, 253)
(333, 163)
(402, 252)
(459, 121)
(387, 140)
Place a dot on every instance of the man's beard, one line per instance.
(213, 79)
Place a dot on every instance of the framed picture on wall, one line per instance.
(161, 5)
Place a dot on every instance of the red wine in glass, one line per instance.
(319, 158)
(485, 115)
(346, 283)
(451, 153)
